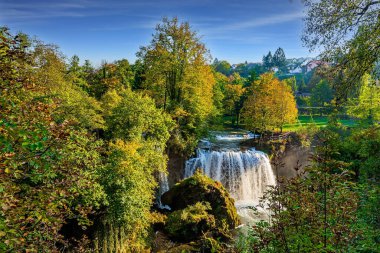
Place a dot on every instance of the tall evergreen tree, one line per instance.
(279, 59)
(268, 61)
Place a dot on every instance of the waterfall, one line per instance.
(163, 187)
(245, 174)
(164, 183)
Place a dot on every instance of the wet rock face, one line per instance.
(176, 168)
(200, 188)
(294, 155)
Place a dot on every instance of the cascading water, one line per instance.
(245, 174)
(163, 187)
(164, 183)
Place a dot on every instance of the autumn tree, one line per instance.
(270, 105)
(347, 32)
(75, 103)
(292, 83)
(233, 100)
(178, 77)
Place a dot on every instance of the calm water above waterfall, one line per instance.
(245, 173)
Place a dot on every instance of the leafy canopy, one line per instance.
(348, 33)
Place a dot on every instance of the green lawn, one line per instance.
(319, 121)
(302, 122)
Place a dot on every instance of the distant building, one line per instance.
(296, 70)
(313, 64)
(274, 69)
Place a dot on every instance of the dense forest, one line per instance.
(83, 147)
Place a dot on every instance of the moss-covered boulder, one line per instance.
(200, 188)
(190, 223)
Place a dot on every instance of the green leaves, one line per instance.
(179, 80)
(333, 206)
(348, 33)
(51, 166)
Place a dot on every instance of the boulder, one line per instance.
(200, 188)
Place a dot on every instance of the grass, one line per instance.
(305, 121)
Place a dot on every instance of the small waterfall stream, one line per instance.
(245, 174)
(163, 187)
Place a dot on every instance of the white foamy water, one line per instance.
(163, 187)
(245, 174)
(235, 137)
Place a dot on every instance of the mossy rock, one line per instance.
(200, 188)
(190, 223)
(207, 245)
(184, 248)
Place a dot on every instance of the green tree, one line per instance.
(268, 61)
(253, 76)
(223, 67)
(139, 132)
(367, 104)
(74, 65)
(75, 103)
(348, 33)
(117, 75)
(242, 69)
(279, 59)
(321, 94)
(124, 73)
(136, 117)
(76, 74)
(218, 97)
(49, 169)
(178, 77)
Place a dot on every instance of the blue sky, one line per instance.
(236, 31)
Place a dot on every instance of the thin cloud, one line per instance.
(10, 11)
(249, 40)
(260, 22)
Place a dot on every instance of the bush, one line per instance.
(190, 223)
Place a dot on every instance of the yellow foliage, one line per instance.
(270, 105)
